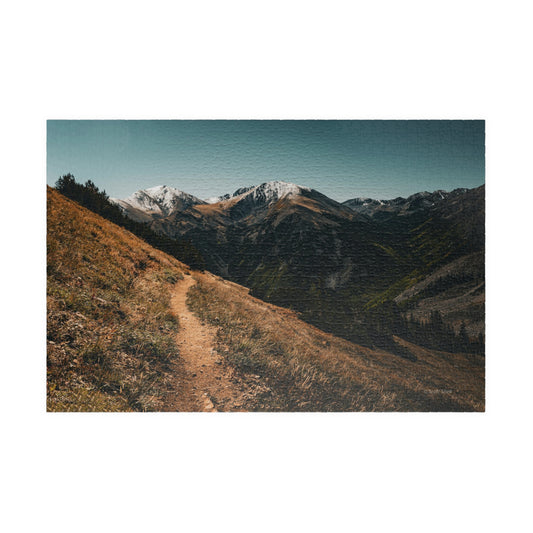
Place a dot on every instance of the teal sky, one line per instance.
(341, 158)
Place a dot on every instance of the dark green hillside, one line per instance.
(344, 277)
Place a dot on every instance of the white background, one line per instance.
(266, 472)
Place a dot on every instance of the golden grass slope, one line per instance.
(301, 368)
(110, 334)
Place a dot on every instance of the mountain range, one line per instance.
(162, 200)
(364, 269)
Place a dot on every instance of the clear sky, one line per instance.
(341, 158)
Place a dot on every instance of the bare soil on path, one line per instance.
(205, 382)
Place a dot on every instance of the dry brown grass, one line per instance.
(304, 369)
(109, 329)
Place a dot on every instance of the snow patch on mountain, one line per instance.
(216, 199)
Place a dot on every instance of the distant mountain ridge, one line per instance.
(400, 205)
(163, 200)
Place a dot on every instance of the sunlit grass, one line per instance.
(305, 369)
(109, 329)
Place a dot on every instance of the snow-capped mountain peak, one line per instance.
(274, 190)
(160, 200)
(266, 192)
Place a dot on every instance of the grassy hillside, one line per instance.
(110, 334)
(300, 368)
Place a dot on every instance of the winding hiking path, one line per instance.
(205, 383)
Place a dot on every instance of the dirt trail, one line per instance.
(205, 383)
